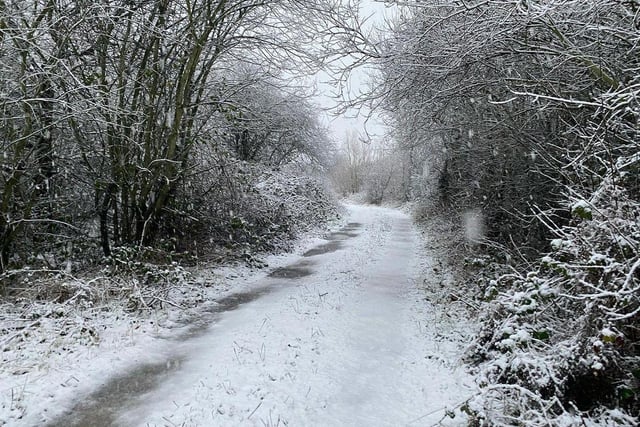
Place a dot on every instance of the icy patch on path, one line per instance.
(348, 344)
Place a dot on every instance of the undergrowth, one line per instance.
(560, 344)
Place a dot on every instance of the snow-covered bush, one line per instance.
(528, 112)
(241, 208)
(561, 342)
(279, 205)
(562, 337)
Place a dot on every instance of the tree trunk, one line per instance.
(104, 219)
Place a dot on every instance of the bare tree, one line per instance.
(527, 111)
(31, 45)
(352, 163)
(119, 96)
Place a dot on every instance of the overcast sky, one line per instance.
(354, 120)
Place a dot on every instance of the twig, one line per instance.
(426, 415)
(445, 409)
(20, 332)
(470, 304)
(254, 411)
(263, 323)
(169, 302)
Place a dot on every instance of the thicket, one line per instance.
(154, 127)
(369, 169)
(526, 115)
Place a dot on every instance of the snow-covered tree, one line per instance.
(527, 112)
(120, 97)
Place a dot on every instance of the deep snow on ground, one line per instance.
(354, 341)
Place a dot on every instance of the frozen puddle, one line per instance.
(234, 301)
(293, 271)
(324, 249)
(341, 235)
(101, 408)
(338, 338)
(335, 240)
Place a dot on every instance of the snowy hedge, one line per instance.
(560, 342)
(243, 208)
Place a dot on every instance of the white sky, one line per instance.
(354, 120)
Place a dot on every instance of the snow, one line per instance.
(353, 343)
(556, 244)
(581, 204)
(474, 225)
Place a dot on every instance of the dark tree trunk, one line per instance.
(104, 219)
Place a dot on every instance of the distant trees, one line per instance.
(369, 168)
(266, 122)
(352, 163)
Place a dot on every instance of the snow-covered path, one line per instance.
(342, 338)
